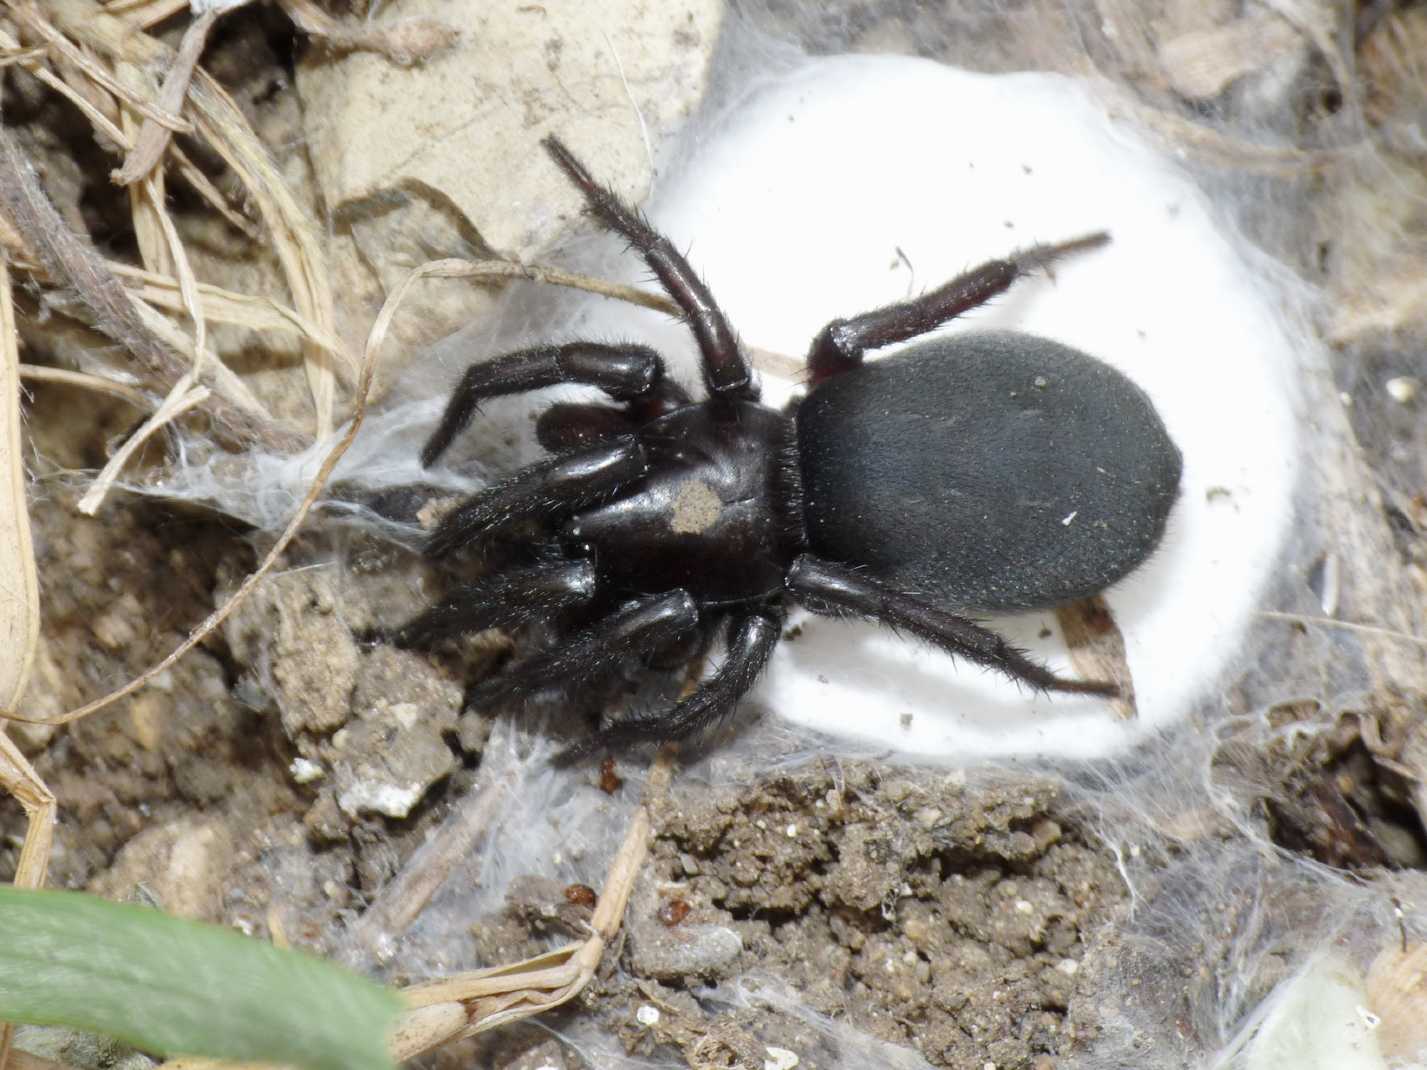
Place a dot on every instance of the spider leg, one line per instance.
(726, 369)
(597, 650)
(839, 346)
(838, 591)
(569, 425)
(625, 372)
(549, 488)
(501, 600)
(752, 639)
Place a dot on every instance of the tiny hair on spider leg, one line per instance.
(916, 491)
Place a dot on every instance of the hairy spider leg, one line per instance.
(548, 489)
(575, 425)
(501, 600)
(727, 373)
(839, 346)
(629, 373)
(597, 650)
(838, 591)
(752, 639)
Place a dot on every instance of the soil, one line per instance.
(922, 909)
(277, 777)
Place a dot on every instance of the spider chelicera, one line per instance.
(985, 471)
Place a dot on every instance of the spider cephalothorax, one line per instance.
(939, 480)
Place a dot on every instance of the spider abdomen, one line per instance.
(987, 470)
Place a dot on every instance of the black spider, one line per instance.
(984, 471)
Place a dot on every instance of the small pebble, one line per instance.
(1402, 388)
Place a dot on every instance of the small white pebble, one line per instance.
(1402, 388)
(760, 823)
(1069, 517)
(1023, 906)
(647, 1016)
(1069, 967)
(988, 1066)
(792, 831)
(779, 1059)
(305, 771)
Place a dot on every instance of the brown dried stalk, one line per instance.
(70, 260)
(296, 239)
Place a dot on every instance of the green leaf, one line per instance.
(181, 988)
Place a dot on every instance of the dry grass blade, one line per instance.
(33, 17)
(154, 137)
(68, 260)
(218, 305)
(375, 337)
(214, 619)
(19, 613)
(509, 269)
(145, 13)
(19, 581)
(122, 391)
(184, 396)
(218, 121)
(32, 60)
(502, 994)
(187, 281)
